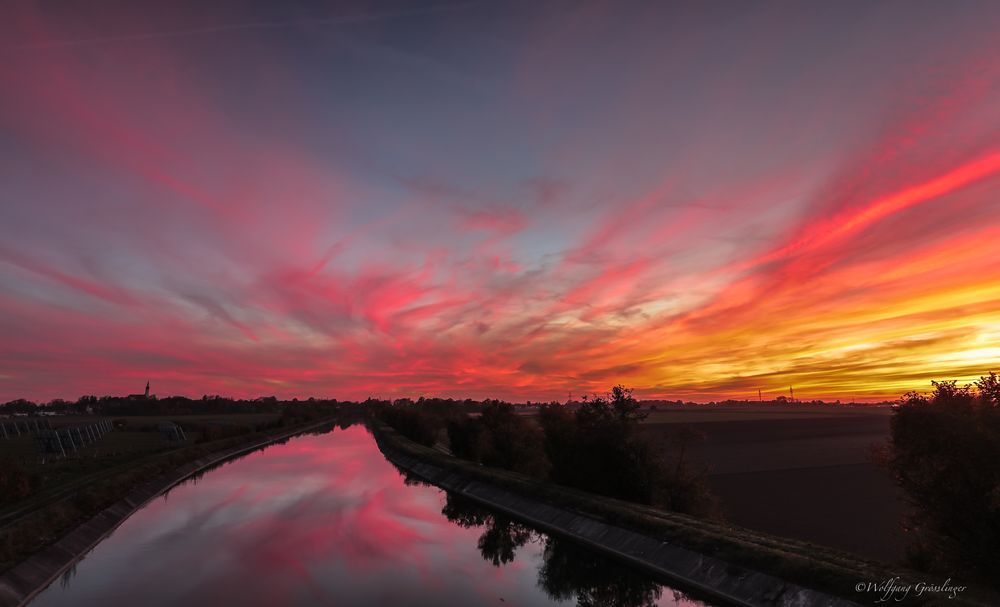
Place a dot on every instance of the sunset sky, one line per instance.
(498, 199)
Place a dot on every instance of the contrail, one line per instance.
(257, 25)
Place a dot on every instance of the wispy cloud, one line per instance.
(616, 200)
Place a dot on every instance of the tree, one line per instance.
(18, 406)
(464, 438)
(499, 437)
(625, 405)
(509, 441)
(597, 448)
(989, 390)
(413, 422)
(560, 443)
(945, 454)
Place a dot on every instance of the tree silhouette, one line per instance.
(598, 448)
(945, 454)
(989, 389)
(501, 537)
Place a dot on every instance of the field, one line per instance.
(798, 471)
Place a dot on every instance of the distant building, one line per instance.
(144, 396)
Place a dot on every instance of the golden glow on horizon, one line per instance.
(871, 330)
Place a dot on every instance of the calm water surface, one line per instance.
(324, 519)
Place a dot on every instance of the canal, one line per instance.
(324, 519)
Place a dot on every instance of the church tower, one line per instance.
(147, 389)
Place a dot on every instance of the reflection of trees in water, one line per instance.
(567, 570)
(68, 575)
(464, 513)
(502, 536)
(410, 479)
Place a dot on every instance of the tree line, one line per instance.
(595, 447)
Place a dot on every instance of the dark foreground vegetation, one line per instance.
(945, 454)
(595, 447)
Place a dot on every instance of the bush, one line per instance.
(945, 454)
(464, 438)
(504, 439)
(597, 448)
(413, 423)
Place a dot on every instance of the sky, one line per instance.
(518, 200)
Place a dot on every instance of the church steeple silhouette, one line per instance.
(147, 388)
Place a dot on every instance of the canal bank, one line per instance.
(20, 584)
(734, 565)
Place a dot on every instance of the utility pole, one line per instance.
(791, 394)
(759, 398)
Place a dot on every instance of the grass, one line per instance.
(803, 563)
(133, 436)
(76, 489)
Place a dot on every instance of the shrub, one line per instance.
(597, 448)
(945, 454)
(464, 438)
(413, 423)
(509, 441)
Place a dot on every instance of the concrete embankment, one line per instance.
(23, 582)
(724, 581)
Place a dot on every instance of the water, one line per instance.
(324, 519)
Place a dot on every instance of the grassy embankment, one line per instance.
(799, 562)
(67, 492)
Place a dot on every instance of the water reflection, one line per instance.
(326, 520)
(570, 571)
(501, 536)
(567, 571)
